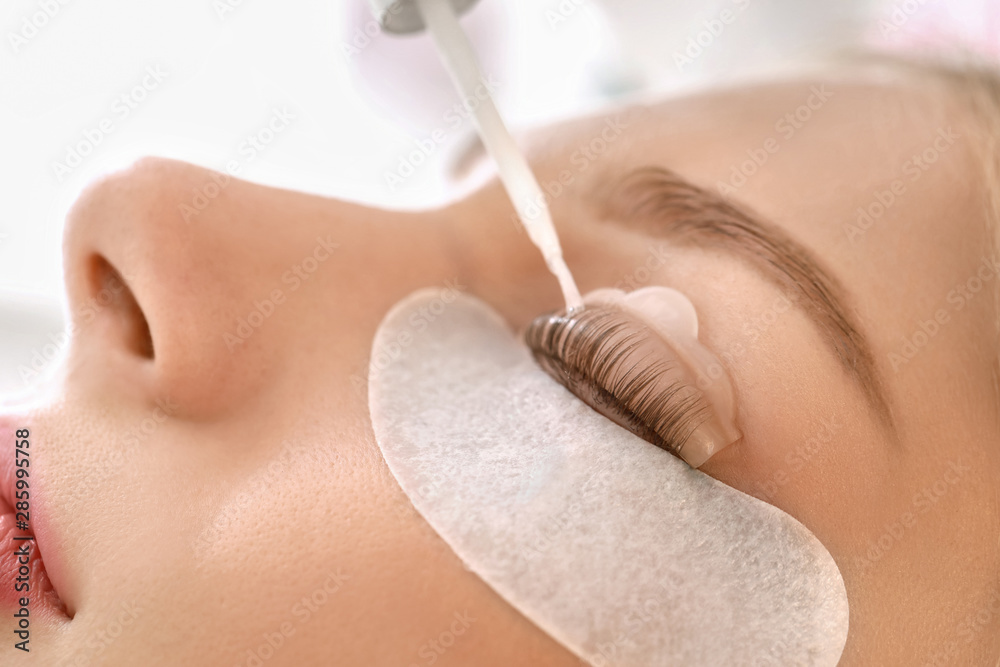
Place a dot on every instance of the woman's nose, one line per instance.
(177, 296)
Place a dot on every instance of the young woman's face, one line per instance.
(205, 484)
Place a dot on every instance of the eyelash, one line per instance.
(611, 362)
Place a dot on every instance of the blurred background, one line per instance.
(89, 86)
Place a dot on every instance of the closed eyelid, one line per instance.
(657, 201)
(616, 364)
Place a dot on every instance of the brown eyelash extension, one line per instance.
(623, 370)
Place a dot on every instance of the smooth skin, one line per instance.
(233, 491)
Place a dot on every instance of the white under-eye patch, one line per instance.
(617, 549)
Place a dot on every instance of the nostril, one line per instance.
(111, 292)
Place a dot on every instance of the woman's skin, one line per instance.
(197, 496)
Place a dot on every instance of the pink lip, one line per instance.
(43, 599)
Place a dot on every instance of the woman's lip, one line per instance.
(19, 544)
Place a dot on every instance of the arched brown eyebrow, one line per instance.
(657, 201)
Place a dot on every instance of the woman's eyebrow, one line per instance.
(658, 201)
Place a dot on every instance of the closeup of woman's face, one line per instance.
(206, 486)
